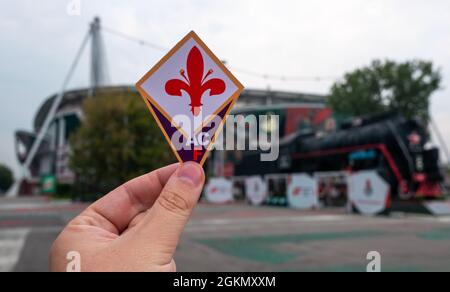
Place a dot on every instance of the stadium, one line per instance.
(313, 142)
(52, 157)
(320, 151)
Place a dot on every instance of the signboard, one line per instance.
(190, 94)
(219, 191)
(302, 192)
(48, 184)
(368, 192)
(256, 190)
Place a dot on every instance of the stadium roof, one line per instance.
(249, 98)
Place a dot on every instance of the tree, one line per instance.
(385, 86)
(117, 140)
(6, 178)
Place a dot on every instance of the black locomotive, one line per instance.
(394, 146)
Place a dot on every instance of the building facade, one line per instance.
(52, 158)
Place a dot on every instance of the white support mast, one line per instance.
(98, 77)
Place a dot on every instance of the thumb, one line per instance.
(165, 221)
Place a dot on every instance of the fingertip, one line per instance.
(192, 173)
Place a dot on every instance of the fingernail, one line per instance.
(191, 172)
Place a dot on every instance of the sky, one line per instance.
(39, 39)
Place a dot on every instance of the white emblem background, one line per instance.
(154, 86)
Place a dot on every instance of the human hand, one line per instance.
(136, 227)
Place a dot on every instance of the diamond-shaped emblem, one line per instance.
(190, 94)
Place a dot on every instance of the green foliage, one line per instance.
(63, 191)
(385, 86)
(6, 178)
(118, 140)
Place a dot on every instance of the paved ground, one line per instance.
(244, 238)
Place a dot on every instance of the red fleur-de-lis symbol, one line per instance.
(194, 83)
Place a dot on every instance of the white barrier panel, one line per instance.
(302, 192)
(219, 191)
(256, 189)
(368, 192)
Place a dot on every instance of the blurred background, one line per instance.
(360, 87)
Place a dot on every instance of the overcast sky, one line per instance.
(38, 41)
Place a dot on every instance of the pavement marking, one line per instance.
(426, 218)
(11, 244)
(436, 235)
(230, 224)
(445, 219)
(275, 219)
(205, 225)
(263, 248)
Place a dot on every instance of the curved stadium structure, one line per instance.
(53, 153)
